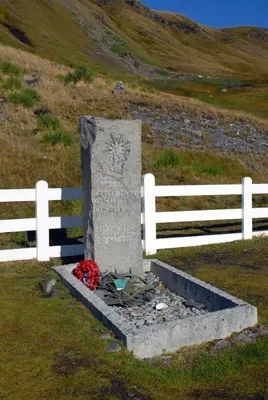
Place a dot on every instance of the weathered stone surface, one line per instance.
(221, 344)
(111, 175)
(47, 286)
(113, 347)
(245, 336)
(105, 336)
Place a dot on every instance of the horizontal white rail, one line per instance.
(260, 212)
(42, 223)
(260, 188)
(203, 215)
(17, 225)
(21, 195)
(65, 194)
(29, 224)
(30, 253)
(17, 254)
(171, 243)
(65, 222)
(197, 190)
(260, 233)
(15, 195)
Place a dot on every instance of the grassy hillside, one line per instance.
(24, 146)
(39, 134)
(125, 40)
(129, 34)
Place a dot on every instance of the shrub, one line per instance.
(27, 97)
(9, 68)
(13, 82)
(79, 74)
(47, 121)
(168, 159)
(59, 137)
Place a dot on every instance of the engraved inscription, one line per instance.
(119, 234)
(115, 202)
(119, 197)
(108, 210)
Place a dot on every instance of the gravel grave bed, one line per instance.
(147, 314)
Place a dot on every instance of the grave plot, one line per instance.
(221, 315)
(162, 309)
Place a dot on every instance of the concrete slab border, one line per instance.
(227, 314)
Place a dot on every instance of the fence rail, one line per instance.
(42, 223)
(246, 214)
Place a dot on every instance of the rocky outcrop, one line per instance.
(188, 27)
(178, 25)
(259, 33)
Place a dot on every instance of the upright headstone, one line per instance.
(111, 176)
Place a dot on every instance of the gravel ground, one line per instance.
(190, 133)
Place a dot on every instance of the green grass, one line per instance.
(13, 82)
(169, 158)
(58, 137)
(79, 74)
(10, 68)
(173, 166)
(54, 342)
(27, 97)
(48, 121)
(213, 170)
(120, 49)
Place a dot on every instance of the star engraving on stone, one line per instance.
(118, 148)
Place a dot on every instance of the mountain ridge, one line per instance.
(125, 36)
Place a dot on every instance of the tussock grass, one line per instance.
(47, 121)
(13, 82)
(27, 97)
(57, 137)
(9, 68)
(79, 74)
(169, 158)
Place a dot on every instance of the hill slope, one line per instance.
(116, 36)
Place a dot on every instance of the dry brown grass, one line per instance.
(25, 159)
(98, 93)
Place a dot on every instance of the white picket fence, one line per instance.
(42, 223)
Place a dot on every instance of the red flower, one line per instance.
(93, 269)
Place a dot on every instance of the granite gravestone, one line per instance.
(111, 175)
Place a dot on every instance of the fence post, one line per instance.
(42, 221)
(148, 209)
(247, 208)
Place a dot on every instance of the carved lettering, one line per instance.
(111, 233)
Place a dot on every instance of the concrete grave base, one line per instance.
(226, 315)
